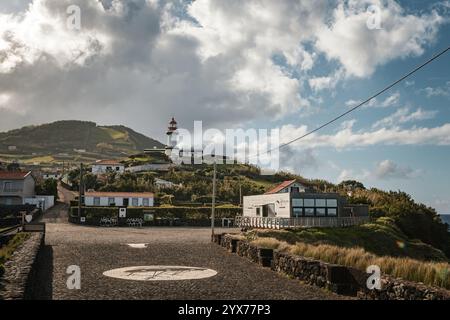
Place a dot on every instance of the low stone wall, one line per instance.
(21, 270)
(336, 278)
(397, 289)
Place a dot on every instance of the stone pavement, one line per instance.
(97, 250)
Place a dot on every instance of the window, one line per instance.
(135, 202)
(108, 168)
(145, 202)
(309, 212)
(332, 212)
(297, 202)
(320, 203)
(96, 201)
(8, 186)
(111, 201)
(117, 168)
(320, 212)
(258, 211)
(309, 202)
(332, 203)
(295, 189)
(297, 212)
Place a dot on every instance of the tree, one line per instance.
(13, 166)
(48, 187)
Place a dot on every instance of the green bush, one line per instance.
(94, 214)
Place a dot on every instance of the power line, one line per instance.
(360, 104)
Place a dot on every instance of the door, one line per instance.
(126, 202)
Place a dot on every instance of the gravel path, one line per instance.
(97, 250)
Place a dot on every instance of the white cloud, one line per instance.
(137, 62)
(383, 170)
(404, 115)
(347, 138)
(388, 169)
(349, 174)
(443, 91)
(391, 101)
(327, 82)
(360, 50)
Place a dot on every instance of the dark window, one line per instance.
(320, 212)
(332, 212)
(258, 211)
(297, 212)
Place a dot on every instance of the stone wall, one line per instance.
(20, 270)
(336, 278)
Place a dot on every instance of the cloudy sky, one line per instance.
(246, 64)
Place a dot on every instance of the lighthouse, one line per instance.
(171, 136)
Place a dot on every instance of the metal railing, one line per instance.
(10, 230)
(302, 222)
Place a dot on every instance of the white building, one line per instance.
(15, 187)
(119, 199)
(51, 175)
(105, 166)
(171, 137)
(42, 202)
(293, 199)
(164, 184)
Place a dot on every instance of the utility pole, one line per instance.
(80, 190)
(240, 194)
(213, 208)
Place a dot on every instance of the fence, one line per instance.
(302, 222)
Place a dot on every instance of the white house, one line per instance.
(105, 166)
(293, 199)
(164, 184)
(51, 175)
(15, 187)
(119, 199)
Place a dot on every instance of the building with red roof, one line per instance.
(15, 186)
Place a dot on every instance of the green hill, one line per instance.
(72, 140)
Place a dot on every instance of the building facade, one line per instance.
(292, 199)
(119, 199)
(106, 166)
(15, 187)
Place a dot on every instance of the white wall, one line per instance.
(280, 200)
(43, 202)
(89, 201)
(100, 168)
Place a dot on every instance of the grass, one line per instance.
(116, 134)
(430, 273)
(7, 250)
(382, 238)
(42, 159)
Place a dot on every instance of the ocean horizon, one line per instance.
(446, 218)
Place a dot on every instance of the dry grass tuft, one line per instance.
(430, 273)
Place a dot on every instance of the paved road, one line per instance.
(97, 250)
(66, 195)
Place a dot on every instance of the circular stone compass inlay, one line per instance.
(160, 273)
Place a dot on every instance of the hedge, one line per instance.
(193, 216)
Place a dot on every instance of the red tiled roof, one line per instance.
(120, 194)
(13, 175)
(280, 187)
(108, 162)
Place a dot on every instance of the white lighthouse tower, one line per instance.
(171, 136)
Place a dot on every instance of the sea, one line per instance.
(446, 219)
